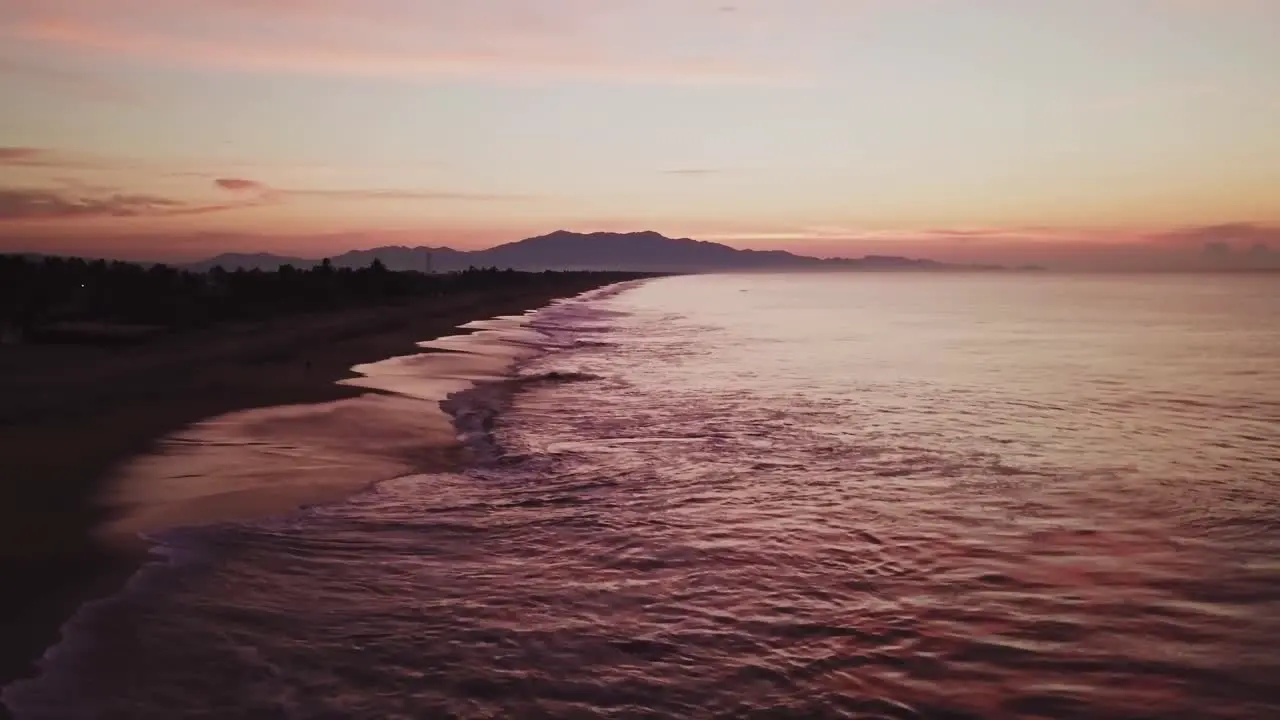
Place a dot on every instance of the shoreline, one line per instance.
(68, 442)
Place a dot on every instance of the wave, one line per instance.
(248, 471)
(475, 411)
(558, 327)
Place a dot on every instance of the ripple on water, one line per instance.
(703, 524)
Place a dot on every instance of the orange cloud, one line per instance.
(240, 185)
(21, 156)
(267, 192)
(32, 157)
(956, 235)
(1230, 235)
(76, 200)
(406, 195)
(43, 204)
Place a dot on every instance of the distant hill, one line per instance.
(564, 250)
(251, 261)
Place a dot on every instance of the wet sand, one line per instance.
(73, 414)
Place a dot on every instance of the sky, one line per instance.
(1072, 133)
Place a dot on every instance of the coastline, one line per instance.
(79, 413)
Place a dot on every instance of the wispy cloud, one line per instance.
(240, 185)
(350, 194)
(71, 159)
(31, 157)
(22, 156)
(45, 204)
(426, 41)
(1238, 245)
(73, 199)
(951, 235)
(694, 172)
(1239, 235)
(265, 191)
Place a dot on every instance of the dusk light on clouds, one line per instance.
(1071, 132)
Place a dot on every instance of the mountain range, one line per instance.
(564, 250)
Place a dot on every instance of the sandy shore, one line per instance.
(70, 414)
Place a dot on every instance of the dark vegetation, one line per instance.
(54, 298)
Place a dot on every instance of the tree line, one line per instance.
(37, 292)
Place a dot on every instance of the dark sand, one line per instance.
(69, 414)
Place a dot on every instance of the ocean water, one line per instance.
(854, 496)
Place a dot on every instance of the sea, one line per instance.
(863, 495)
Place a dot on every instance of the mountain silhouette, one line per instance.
(564, 250)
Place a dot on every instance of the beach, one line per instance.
(72, 414)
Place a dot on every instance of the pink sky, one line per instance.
(1078, 133)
